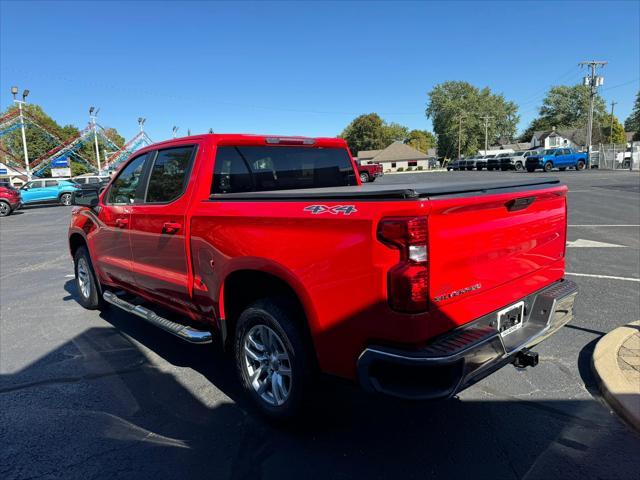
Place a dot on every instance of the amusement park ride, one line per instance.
(69, 148)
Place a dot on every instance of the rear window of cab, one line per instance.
(263, 168)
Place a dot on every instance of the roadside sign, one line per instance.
(60, 162)
(61, 172)
(3, 171)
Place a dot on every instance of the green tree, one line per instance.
(567, 107)
(364, 133)
(617, 136)
(452, 100)
(421, 140)
(632, 123)
(393, 132)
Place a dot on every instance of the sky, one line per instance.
(302, 68)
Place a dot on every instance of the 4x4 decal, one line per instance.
(336, 210)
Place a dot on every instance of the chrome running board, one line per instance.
(184, 332)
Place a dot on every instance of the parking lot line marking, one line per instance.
(581, 243)
(608, 277)
(617, 225)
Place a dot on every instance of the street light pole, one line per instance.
(175, 131)
(14, 91)
(92, 118)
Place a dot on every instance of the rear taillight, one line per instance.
(407, 281)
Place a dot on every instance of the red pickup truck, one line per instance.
(368, 173)
(273, 247)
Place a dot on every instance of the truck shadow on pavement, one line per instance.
(100, 406)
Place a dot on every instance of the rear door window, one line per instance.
(50, 183)
(169, 174)
(257, 168)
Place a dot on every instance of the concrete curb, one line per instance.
(620, 393)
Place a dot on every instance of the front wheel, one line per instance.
(364, 177)
(5, 209)
(65, 199)
(273, 359)
(548, 167)
(580, 165)
(86, 283)
(519, 167)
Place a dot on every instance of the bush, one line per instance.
(420, 167)
(400, 169)
(409, 169)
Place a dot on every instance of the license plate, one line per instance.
(510, 319)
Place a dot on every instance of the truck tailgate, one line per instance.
(479, 243)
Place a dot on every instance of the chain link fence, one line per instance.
(616, 156)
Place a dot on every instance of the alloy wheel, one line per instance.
(84, 279)
(66, 199)
(267, 365)
(5, 209)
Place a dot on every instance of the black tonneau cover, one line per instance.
(378, 191)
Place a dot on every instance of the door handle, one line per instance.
(171, 227)
(122, 222)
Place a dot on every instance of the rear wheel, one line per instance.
(364, 177)
(5, 209)
(273, 359)
(86, 283)
(548, 167)
(65, 199)
(580, 165)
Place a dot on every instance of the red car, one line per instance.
(368, 173)
(272, 246)
(9, 199)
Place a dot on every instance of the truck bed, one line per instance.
(413, 190)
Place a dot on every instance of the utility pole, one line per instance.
(92, 118)
(460, 135)
(486, 132)
(14, 92)
(593, 81)
(611, 125)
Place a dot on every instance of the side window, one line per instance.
(92, 180)
(169, 174)
(123, 189)
(80, 181)
(50, 183)
(231, 173)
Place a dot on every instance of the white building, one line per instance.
(397, 157)
(17, 176)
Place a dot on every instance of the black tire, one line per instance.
(364, 177)
(531, 169)
(580, 165)
(278, 317)
(5, 209)
(518, 167)
(548, 167)
(90, 298)
(65, 199)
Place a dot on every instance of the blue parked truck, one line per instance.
(560, 158)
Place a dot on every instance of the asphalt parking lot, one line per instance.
(87, 394)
